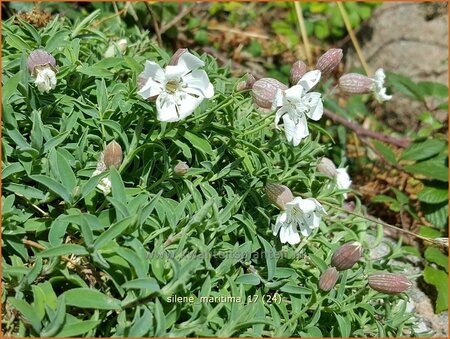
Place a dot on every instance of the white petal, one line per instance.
(150, 89)
(175, 72)
(284, 234)
(190, 61)
(45, 80)
(278, 100)
(380, 90)
(309, 80)
(277, 226)
(305, 228)
(293, 237)
(294, 94)
(279, 113)
(316, 220)
(166, 108)
(188, 105)
(154, 71)
(198, 79)
(342, 178)
(307, 205)
(295, 132)
(314, 102)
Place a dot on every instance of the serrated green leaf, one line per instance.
(439, 279)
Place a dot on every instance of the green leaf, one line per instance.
(344, 326)
(386, 151)
(439, 279)
(144, 283)
(53, 185)
(431, 169)
(85, 23)
(248, 279)
(293, 289)
(201, 144)
(64, 249)
(77, 328)
(422, 150)
(57, 321)
(433, 254)
(435, 89)
(433, 195)
(271, 259)
(437, 214)
(10, 86)
(113, 232)
(66, 174)
(27, 311)
(56, 40)
(27, 191)
(90, 298)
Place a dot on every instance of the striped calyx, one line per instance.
(279, 195)
(354, 83)
(389, 283)
(264, 91)
(112, 155)
(328, 279)
(346, 256)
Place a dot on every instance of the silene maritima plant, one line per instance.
(151, 195)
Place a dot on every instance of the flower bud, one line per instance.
(180, 169)
(329, 61)
(112, 156)
(328, 279)
(346, 256)
(121, 46)
(279, 195)
(264, 91)
(39, 59)
(354, 83)
(326, 166)
(389, 283)
(297, 71)
(174, 60)
(247, 84)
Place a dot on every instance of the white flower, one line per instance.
(343, 180)
(294, 104)
(104, 184)
(380, 91)
(45, 79)
(179, 88)
(300, 213)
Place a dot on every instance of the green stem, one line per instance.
(259, 128)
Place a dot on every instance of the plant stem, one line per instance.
(361, 131)
(301, 23)
(257, 129)
(385, 224)
(355, 42)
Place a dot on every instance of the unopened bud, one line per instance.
(174, 60)
(278, 194)
(329, 61)
(39, 59)
(326, 166)
(354, 83)
(328, 279)
(389, 283)
(346, 256)
(121, 46)
(297, 71)
(180, 169)
(246, 84)
(112, 156)
(264, 91)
